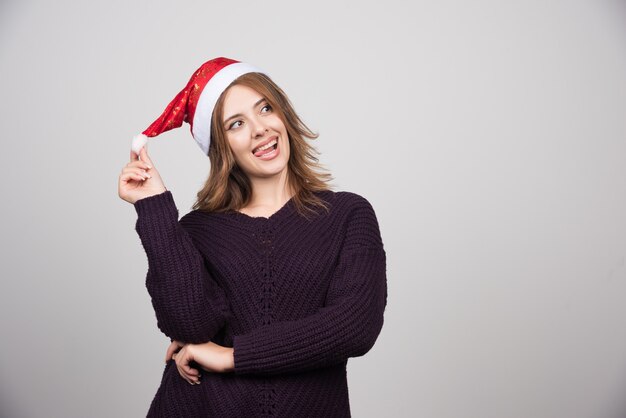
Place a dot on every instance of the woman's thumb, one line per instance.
(143, 154)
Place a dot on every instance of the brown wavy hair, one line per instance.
(228, 187)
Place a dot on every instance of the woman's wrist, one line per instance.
(229, 355)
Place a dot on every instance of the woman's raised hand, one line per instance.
(139, 179)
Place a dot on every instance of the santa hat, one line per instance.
(195, 103)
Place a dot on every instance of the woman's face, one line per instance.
(250, 122)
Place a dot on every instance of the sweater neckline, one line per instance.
(283, 210)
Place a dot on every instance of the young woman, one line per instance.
(273, 280)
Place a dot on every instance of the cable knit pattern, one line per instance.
(295, 297)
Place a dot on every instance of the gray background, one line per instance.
(489, 136)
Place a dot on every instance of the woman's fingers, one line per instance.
(171, 350)
(139, 164)
(127, 176)
(190, 371)
(136, 170)
(143, 154)
(139, 178)
(182, 359)
(168, 353)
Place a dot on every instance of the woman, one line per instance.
(273, 280)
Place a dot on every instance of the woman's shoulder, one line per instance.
(350, 201)
(360, 220)
(348, 207)
(199, 219)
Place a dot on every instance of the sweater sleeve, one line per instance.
(347, 326)
(189, 305)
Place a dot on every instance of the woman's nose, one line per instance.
(259, 128)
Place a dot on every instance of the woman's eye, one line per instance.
(232, 125)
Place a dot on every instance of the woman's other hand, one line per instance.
(188, 373)
(139, 178)
(209, 356)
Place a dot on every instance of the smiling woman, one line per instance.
(255, 111)
(239, 135)
(256, 136)
(273, 281)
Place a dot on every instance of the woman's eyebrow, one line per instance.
(239, 114)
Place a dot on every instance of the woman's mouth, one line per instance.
(268, 151)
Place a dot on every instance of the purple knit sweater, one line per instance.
(295, 297)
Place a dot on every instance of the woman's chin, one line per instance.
(268, 168)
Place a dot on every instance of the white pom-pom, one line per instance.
(138, 142)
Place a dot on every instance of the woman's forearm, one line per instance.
(188, 303)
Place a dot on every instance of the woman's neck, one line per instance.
(268, 195)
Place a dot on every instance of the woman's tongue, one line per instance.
(265, 151)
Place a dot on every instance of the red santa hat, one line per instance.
(195, 103)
